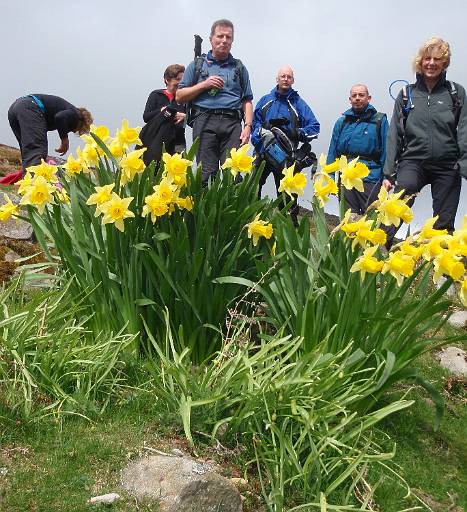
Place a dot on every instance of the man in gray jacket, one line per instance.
(427, 140)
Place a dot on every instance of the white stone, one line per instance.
(458, 319)
(453, 359)
(104, 499)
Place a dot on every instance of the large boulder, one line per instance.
(181, 484)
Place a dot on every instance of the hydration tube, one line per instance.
(409, 104)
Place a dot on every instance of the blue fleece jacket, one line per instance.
(275, 105)
(355, 134)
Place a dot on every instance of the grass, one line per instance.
(59, 466)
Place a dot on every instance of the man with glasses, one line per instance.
(282, 108)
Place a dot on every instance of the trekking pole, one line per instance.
(198, 43)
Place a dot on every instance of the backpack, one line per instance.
(199, 61)
(377, 120)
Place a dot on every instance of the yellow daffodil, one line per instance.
(367, 263)
(166, 189)
(155, 205)
(324, 186)
(75, 166)
(292, 183)
(185, 203)
(456, 245)
(448, 263)
(352, 173)
(8, 209)
(434, 246)
(351, 228)
(100, 197)
(116, 210)
(327, 168)
(100, 131)
(117, 149)
(463, 292)
(39, 193)
(127, 136)
(428, 232)
(175, 168)
(62, 195)
(258, 228)
(23, 184)
(131, 165)
(392, 209)
(47, 171)
(407, 247)
(399, 265)
(366, 235)
(89, 155)
(239, 161)
(460, 235)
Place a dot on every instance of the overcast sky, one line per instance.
(109, 55)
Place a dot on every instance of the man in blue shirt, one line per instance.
(361, 131)
(285, 109)
(220, 94)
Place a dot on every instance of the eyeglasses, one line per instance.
(286, 77)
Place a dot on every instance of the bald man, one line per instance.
(283, 108)
(361, 131)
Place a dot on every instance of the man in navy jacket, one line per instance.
(297, 119)
(361, 131)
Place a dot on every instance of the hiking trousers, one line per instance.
(218, 134)
(358, 202)
(445, 181)
(30, 128)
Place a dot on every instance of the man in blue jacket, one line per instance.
(361, 131)
(284, 108)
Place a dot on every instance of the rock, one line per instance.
(458, 319)
(453, 359)
(181, 484)
(240, 483)
(451, 291)
(105, 499)
(177, 452)
(15, 228)
(11, 256)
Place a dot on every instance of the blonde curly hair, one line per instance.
(85, 121)
(435, 46)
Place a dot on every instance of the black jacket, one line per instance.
(59, 114)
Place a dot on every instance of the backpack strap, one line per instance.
(456, 102)
(294, 119)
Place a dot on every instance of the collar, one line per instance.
(210, 59)
(422, 85)
(364, 114)
(291, 92)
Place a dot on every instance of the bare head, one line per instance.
(359, 97)
(284, 79)
(432, 58)
(221, 38)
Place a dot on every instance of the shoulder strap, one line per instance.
(456, 102)
(239, 73)
(198, 67)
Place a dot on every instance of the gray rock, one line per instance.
(181, 484)
(458, 319)
(11, 256)
(453, 359)
(105, 499)
(15, 228)
(451, 291)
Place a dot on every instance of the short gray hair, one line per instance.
(221, 23)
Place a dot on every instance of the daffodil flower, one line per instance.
(428, 231)
(399, 265)
(352, 173)
(75, 166)
(117, 149)
(239, 161)
(185, 203)
(324, 186)
(116, 210)
(292, 183)
(327, 168)
(392, 209)
(366, 235)
(100, 197)
(89, 154)
(132, 165)
(367, 263)
(127, 136)
(258, 228)
(463, 292)
(175, 168)
(39, 193)
(449, 264)
(156, 206)
(8, 209)
(47, 171)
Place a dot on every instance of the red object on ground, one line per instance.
(11, 178)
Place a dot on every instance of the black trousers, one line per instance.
(30, 128)
(358, 202)
(445, 181)
(218, 134)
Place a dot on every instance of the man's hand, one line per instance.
(179, 117)
(387, 185)
(245, 135)
(213, 82)
(64, 146)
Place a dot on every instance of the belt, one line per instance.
(219, 112)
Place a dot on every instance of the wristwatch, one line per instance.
(248, 124)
